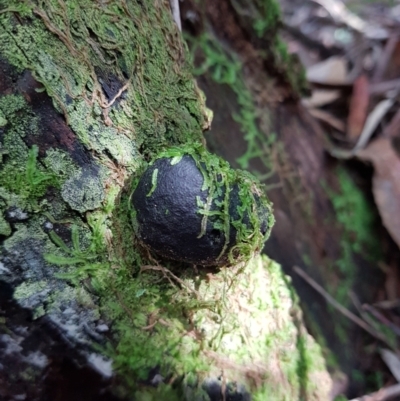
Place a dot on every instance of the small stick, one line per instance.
(382, 319)
(166, 271)
(354, 318)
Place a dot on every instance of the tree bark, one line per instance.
(90, 91)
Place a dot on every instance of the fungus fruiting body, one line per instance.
(190, 206)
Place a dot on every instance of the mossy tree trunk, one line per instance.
(89, 92)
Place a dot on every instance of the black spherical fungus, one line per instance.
(190, 206)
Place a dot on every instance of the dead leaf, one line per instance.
(358, 107)
(332, 71)
(328, 118)
(372, 122)
(321, 97)
(341, 13)
(386, 183)
(392, 362)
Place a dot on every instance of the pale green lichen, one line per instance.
(60, 163)
(41, 291)
(31, 295)
(83, 191)
(3, 121)
(5, 228)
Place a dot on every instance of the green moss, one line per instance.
(153, 182)
(216, 316)
(255, 123)
(356, 218)
(296, 74)
(28, 181)
(267, 19)
(21, 174)
(225, 68)
(68, 65)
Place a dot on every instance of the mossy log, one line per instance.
(90, 91)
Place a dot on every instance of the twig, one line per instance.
(109, 104)
(328, 118)
(381, 395)
(365, 316)
(166, 273)
(355, 319)
(382, 319)
(388, 304)
(176, 13)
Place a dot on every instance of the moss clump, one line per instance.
(267, 18)
(22, 176)
(27, 180)
(356, 218)
(249, 338)
(226, 68)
